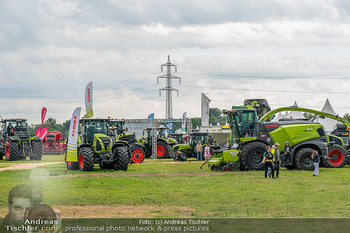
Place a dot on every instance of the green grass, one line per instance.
(233, 194)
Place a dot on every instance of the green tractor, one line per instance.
(179, 137)
(96, 147)
(249, 138)
(164, 143)
(16, 143)
(189, 149)
(116, 130)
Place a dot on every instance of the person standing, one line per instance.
(277, 158)
(287, 151)
(206, 155)
(316, 160)
(199, 150)
(268, 157)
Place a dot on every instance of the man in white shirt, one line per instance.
(206, 155)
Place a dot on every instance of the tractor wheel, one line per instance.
(226, 168)
(251, 156)
(303, 160)
(37, 150)
(337, 155)
(137, 153)
(163, 150)
(86, 159)
(121, 158)
(12, 151)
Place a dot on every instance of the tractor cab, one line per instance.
(179, 137)
(90, 127)
(242, 122)
(116, 127)
(196, 137)
(116, 131)
(161, 132)
(15, 127)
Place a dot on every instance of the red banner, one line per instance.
(43, 115)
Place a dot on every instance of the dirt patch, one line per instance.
(22, 166)
(138, 175)
(103, 211)
(122, 211)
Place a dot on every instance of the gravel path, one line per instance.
(22, 166)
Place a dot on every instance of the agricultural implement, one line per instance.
(53, 143)
(95, 146)
(16, 143)
(249, 137)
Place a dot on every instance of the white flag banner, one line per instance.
(183, 127)
(88, 100)
(205, 109)
(72, 151)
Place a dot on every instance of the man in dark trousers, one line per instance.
(287, 151)
(268, 157)
(277, 158)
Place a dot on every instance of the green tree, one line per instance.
(196, 122)
(216, 116)
(50, 123)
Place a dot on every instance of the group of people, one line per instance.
(273, 159)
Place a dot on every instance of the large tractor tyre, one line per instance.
(336, 157)
(121, 158)
(86, 159)
(163, 150)
(37, 150)
(137, 153)
(251, 156)
(12, 151)
(303, 160)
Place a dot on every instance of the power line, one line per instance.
(267, 77)
(271, 90)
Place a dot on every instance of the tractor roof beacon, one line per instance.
(16, 143)
(95, 146)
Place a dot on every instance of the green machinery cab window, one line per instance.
(243, 122)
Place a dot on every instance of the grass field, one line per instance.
(163, 188)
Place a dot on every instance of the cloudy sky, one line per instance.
(283, 51)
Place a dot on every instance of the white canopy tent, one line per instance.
(328, 123)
